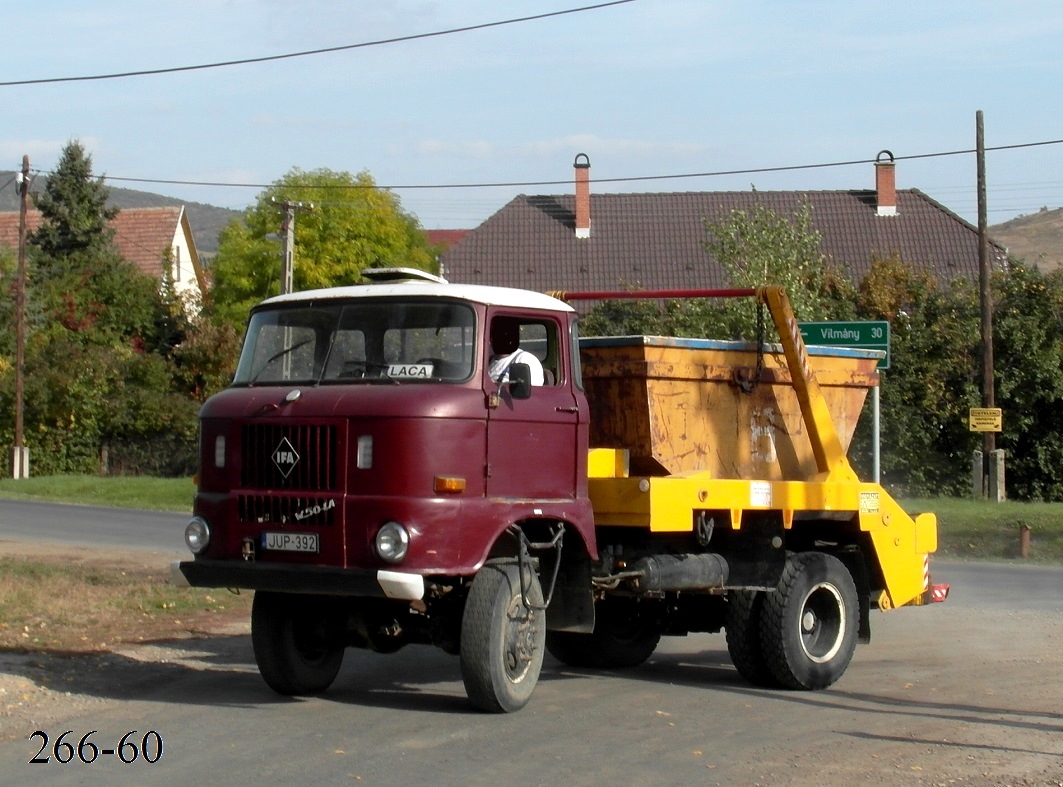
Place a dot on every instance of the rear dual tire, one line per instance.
(809, 623)
(624, 636)
(744, 645)
(802, 634)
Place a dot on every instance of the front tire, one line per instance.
(502, 640)
(294, 641)
(809, 623)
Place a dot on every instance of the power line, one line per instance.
(626, 179)
(309, 52)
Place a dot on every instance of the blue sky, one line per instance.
(647, 88)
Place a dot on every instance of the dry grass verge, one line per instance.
(76, 600)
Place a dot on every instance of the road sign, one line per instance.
(986, 419)
(862, 334)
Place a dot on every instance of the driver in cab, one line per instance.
(505, 351)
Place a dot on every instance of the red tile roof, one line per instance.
(9, 227)
(445, 238)
(145, 235)
(142, 235)
(655, 241)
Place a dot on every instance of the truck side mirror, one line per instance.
(520, 385)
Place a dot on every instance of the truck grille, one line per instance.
(289, 457)
(287, 510)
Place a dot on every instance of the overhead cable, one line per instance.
(627, 179)
(309, 52)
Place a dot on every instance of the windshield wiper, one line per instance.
(277, 355)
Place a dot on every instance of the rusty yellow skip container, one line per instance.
(686, 405)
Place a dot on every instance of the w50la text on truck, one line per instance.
(411, 461)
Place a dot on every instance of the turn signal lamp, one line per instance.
(448, 484)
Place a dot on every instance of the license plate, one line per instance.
(290, 542)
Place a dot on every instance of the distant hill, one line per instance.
(1036, 238)
(207, 220)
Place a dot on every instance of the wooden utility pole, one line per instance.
(992, 471)
(20, 466)
(985, 281)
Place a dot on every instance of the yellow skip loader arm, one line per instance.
(831, 461)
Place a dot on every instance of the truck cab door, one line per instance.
(532, 443)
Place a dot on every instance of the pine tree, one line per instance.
(73, 206)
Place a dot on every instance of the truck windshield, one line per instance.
(372, 341)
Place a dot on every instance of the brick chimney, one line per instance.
(583, 195)
(885, 184)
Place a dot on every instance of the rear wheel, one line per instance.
(502, 640)
(809, 623)
(624, 636)
(294, 642)
(743, 637)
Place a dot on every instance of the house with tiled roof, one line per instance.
(146, 237)
(444, 239)
(580, 241)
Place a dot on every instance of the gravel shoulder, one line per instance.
(48, 674)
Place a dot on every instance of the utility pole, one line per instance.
(288, 236)
(985, 279)
(20, 455)
(992, 474)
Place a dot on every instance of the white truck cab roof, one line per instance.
(393, 284)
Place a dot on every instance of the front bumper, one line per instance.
(372, 583)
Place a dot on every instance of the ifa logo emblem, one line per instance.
(285, 457)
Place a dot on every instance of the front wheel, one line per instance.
(295, 644)
(808, 624)
(502, 640)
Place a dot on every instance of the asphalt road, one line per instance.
(159, 531)
(969, 692)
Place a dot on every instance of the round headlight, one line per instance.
(197, 534)
(392, 541)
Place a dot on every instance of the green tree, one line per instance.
(73, 206)
(930, 385)
(761, 247)
(755, 247)
(353, 225)
(8, 272)
(206, 359)
(78, 280)
(93, 372)
(1028, 379)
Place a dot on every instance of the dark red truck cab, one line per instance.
(363, 468)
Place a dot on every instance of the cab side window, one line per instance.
(523, 340)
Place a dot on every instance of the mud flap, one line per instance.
(572, 605)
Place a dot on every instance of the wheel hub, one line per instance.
(823, 623)
(808, 621)
(520, 640)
